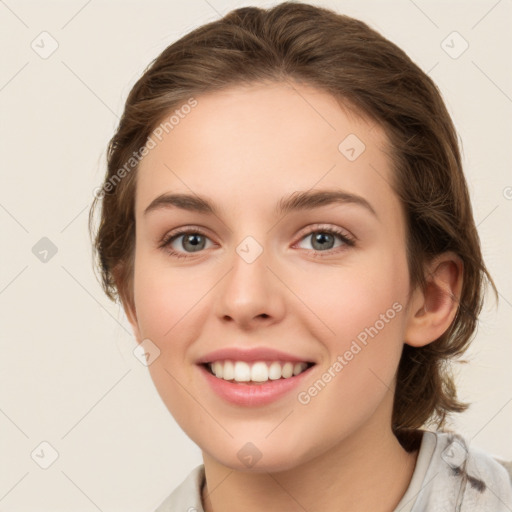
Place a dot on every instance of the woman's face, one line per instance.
(323, 282)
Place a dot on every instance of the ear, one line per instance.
(431, 311)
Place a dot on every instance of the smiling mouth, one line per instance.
(257, 372)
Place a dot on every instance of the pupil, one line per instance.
(194, 240)
(321, 238)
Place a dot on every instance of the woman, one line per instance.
(334, 267)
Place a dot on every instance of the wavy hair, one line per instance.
(368, 75)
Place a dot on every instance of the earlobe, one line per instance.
(433, 310)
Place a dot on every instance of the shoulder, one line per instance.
(507, 464)
(187, 496)
(480, 480)
(456, 449)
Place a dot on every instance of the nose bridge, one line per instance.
(249, 289)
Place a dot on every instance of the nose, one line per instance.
(250, 294)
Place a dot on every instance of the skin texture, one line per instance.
(245, 148)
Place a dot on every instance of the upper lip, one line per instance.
(250, 355)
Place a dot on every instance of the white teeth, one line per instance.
(287, 370)
(217, 368)
(228, 372)
(242, 372)
(260, 371)
(274, 372)
(297, 368)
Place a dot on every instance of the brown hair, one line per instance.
(368, 75)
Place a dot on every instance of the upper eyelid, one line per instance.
(199, 229)
(175, 233)
(327, 227)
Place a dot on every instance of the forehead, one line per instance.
(248, 146)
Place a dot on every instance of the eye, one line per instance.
(193, 240)
(322, 239)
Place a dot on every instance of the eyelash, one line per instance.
(346, 239)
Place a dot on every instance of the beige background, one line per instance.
(68, 374)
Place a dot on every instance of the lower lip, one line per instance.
(252, 395)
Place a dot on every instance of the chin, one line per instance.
(258, 457)
(274, 464)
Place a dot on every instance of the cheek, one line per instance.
(166, 302)
(363, 295)
(162, 297)
(366, 313)
(172, 307)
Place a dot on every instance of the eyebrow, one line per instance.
(297, 201)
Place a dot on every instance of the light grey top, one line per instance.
(449, 476)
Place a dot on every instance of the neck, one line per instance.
(370, 470)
